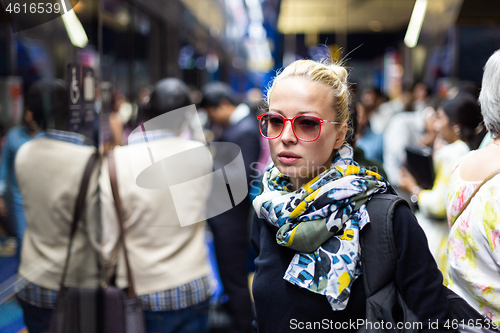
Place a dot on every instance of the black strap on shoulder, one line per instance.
(79, 207)
(121, 221)
(378, 251)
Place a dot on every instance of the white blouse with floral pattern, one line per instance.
(474, 243)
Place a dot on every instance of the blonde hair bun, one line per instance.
(333, 75)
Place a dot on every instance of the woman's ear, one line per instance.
(340, 136)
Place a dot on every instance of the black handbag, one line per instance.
(104, 309)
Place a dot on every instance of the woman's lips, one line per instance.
(288, 157)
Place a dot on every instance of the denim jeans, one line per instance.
(188, 320)
(37, 320)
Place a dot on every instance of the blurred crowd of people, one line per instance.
(42, 163)
(440, 128)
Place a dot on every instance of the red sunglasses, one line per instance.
(305, 127)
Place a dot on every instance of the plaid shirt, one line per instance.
(36, 295)
(140, 137)
(181, 297)
(76, 138)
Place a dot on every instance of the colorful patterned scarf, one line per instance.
(321, 221)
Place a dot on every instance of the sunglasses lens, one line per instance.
(306, 128)
(271, 125)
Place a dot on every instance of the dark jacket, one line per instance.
(230, 229)
(245, 134)
(283, 307)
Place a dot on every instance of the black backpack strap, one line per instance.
(377, 243)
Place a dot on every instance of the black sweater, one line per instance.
(284, 307)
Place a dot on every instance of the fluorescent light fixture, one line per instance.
(74, 28)
(415, 25)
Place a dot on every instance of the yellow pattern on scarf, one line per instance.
(344, 281)
(349, 170)
(290, 240)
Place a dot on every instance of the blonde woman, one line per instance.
(313, 184)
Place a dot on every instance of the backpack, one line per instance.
(385, 307)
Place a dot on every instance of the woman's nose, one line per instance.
(288, 136)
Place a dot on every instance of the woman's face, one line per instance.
(444, 127)
(302, 161)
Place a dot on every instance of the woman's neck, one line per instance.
(298, 183)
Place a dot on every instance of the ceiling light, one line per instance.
(415, 25)
(74, 28)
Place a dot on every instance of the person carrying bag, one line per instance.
(104, 309)
(165, 232)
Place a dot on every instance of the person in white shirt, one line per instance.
(165, 244)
